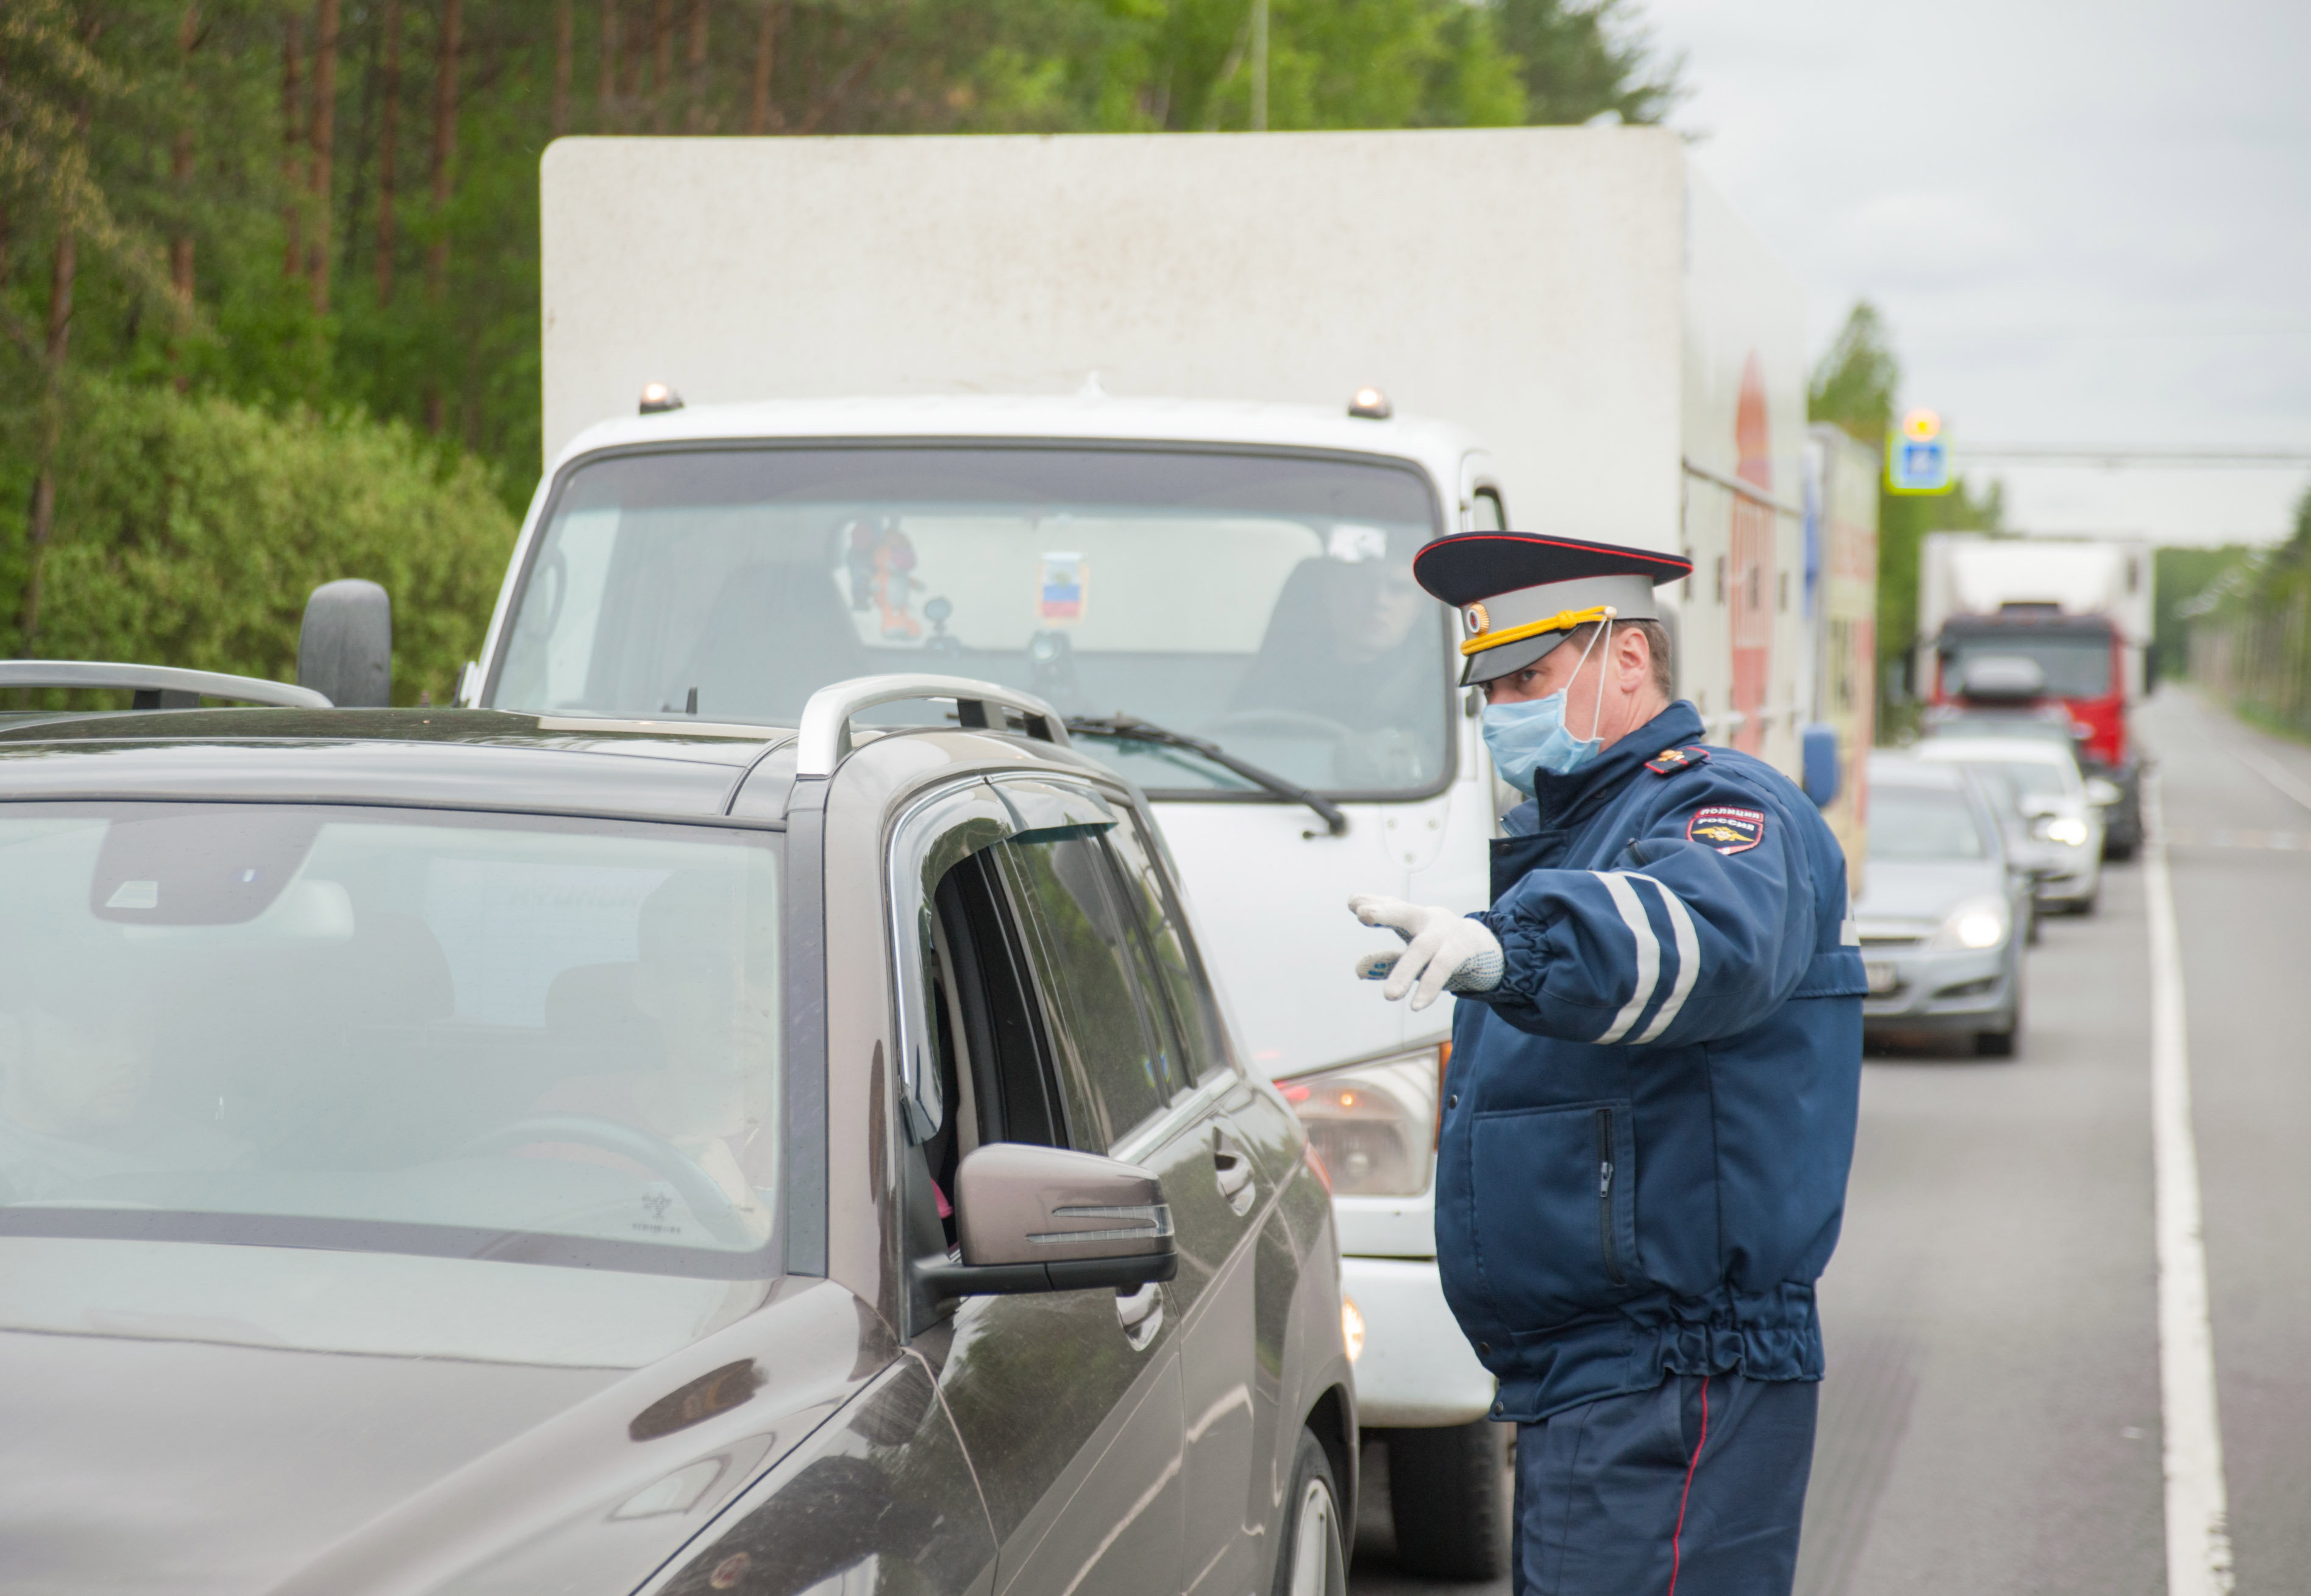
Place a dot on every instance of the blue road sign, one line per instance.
(1917, 465)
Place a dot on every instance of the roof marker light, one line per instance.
(658, 397)
(1372, 404)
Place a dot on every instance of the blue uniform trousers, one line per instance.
(1694, 1489)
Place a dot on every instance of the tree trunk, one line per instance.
(325, 142)
(564, 42)
(605, 84)
(661, 61)
(766, 39)
(445, 151)
(293, 137)
(388, 133)
(180, 168)
(180, 174)
(696, 117)
(64, 271)
(445, 144)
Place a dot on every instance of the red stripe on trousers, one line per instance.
(1676, 1549)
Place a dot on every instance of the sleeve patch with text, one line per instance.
(1727, 828)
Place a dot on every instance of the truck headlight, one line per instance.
(1372, 1126)
(2068, 830)
(1975, 924)
(1352, 1326)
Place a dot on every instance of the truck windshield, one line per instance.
(518, 1040)
(1263, 602)
(2074, 666)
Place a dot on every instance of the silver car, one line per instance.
(2054, 829)
(1943, 914)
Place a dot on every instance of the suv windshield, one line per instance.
(532, 1040)
(1263, 602)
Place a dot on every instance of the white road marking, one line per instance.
(2198, 1529)
(2277, 774)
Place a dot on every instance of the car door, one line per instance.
(1068, 1403)
(1218, 1195)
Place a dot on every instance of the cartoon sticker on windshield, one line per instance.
(882, 563)
(1727, 828)
(1060, 599)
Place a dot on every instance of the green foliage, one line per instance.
(1855, 385)
(167, 228)
(2179, 577)
(2250, 637)
(189, 531)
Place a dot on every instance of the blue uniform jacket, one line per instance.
(1643, 1161)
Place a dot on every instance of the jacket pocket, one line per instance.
(1554, 1218)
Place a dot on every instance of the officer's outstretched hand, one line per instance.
(1446, 951)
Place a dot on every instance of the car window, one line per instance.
(981, 974)
(1186, 996)
(2029, 780)
(1923, 823)
(1112, 1064)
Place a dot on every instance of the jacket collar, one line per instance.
(1562, 801)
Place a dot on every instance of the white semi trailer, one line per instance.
(1152, 426)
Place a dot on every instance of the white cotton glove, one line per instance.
(1447, 951)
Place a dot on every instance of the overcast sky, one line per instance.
(2086, 222)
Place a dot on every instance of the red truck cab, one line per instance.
(2082, 664)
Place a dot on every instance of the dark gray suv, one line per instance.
(461, 1151)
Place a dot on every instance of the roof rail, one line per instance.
(157, 686)
(825, 735)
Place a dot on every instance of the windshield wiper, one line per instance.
(1131, 729)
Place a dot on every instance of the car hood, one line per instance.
(129, 1465)
(135, 1463)
(1924, 891)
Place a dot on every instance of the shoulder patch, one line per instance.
(1727, 828)
(1670, 760)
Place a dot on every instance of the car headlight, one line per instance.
(2068, 830)
(1352, 1326)
(1976, 924)
(1373, 1125)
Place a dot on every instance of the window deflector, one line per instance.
(1051, 812)
(930, 839)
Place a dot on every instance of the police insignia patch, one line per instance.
(1727, 828)
(1670, 760)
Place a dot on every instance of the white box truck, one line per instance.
(1152, 426)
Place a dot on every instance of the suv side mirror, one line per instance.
(1034, 1218)
(344, 649)
(2103, 792)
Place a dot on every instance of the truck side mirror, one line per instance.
(344, 649)
(1820, 764)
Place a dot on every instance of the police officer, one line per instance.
(1649, 1109)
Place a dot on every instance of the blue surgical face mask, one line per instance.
(1529, 735)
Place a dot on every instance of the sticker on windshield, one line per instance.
(1060, 601)
(1727, 828)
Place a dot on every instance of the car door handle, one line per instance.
(1140, 1313)
(1232, 1170)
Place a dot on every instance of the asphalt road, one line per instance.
(1990, 1420)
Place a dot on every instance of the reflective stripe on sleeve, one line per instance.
(1688, 959)
(1633, 915)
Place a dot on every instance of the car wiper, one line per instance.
(1131, 729)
